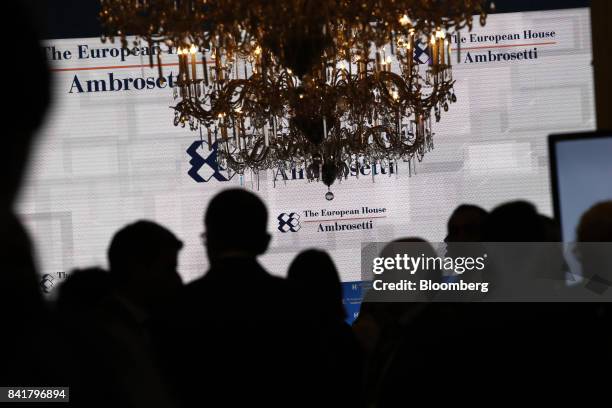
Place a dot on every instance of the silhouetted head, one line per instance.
(236, 225)
(413, 247)
(83, 290)
(390, 310)
(516, 221)
(143, 259)
(596, 224)
(315, 272)
(417, 244)
(465, 224)
(594, 229)
(30, 96)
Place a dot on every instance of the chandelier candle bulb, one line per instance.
(223, 130)
(179, 54)
(419, 123)
(193, 50)
(182, 66)
(218, 70)
(324, 128)
(434, 53)
(459, 40)
(362, 69)
(186, 64)
(410, 55)
(205, 68)
(263, 68)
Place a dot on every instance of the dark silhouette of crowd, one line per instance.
(135, 336)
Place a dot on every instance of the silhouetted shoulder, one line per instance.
(236, 285)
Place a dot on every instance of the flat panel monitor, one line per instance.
(581, 176)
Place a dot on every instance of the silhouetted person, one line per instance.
(143, 259)
(516, 221)
(26, 324)
(465, 224)
(82, 291)
(504, 338)
(387, 311)
(315, 274)
(79, 298)
(594, 247)
(555, 267)
(464, 232)
(389, 320)
(596, 224)
(239, 336)
(376, 317)
(525, 259)
(30, 99)
(594, 252)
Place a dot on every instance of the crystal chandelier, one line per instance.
(304, 85)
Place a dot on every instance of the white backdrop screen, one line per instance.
(106, 157)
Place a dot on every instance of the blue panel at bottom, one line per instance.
(352, 295)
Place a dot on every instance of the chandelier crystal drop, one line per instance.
(303, 85)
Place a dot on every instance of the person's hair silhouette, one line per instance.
(83, 290)
(143, 262)
(236, 225)
(315, 273)
(516, 221)
(465, 224)
(596, 224)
